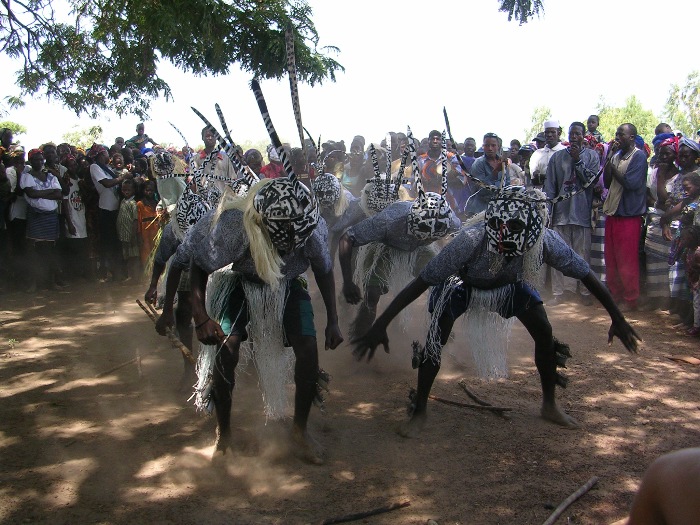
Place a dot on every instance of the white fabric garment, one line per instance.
(51, 183)
(109, 198)
(76, 209)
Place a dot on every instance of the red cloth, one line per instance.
(622, 236)
(273, 170)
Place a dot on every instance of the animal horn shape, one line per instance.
(414, 165)
(443, 183)
(274, 138)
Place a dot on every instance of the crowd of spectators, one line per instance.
(68, 214)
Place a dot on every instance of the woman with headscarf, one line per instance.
(681, 298)
(664, 190)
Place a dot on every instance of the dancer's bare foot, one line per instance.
(414, 426)
(223, 443)
(553, 414)
(305, 447)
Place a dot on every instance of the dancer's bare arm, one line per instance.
(367, 344)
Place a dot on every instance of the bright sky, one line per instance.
(406, 60)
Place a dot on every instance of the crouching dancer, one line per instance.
(492, 268)
(269, 238)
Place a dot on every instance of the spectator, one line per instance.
(469, 150)
(274, 169)
(43, 194)
(107, 184)
(592, 127)
(540, 158)
(74, 245)
(625, 177)
(567, 172)
(127, 229)
(490, 169)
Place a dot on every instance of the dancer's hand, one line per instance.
(624, 331)
(165, 322)
(351, 292)
(151, 294)
(333, 336)
(368, 343)
(209, 332)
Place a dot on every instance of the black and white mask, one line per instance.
(163, 163)
(514, 222)
(430, 217)
(289, 212)
(327, 190)
(189, 209)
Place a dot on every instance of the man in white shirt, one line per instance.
(540, 158)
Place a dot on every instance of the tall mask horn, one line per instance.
(293, 82)
(274, 138)
(443, 183)
(414, 165)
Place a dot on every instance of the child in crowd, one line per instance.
(148, 224)
(75, 243)
(127, 227)
(684, 244)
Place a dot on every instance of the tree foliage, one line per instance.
(105, 55)
(682, 109)
(539, 115)
(17, 129)
(521, 10)
(83, 137)
(632, 112)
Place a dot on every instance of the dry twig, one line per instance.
(568, 501)
(468, 405)
(366, 514)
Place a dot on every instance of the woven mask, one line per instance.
(163, 163)
(431, 215)
(514, 221)
(288, 211)
(189, 209)
(327, 190)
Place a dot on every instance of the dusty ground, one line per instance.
(77, 448)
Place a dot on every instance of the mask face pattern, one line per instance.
(513, 224)
(327, 190)
(289, 213)
(379, 195)
(189, 209)
(430, 217)
(163, 164)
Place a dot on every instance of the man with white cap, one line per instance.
(540, 158)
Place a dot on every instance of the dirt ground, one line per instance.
(126, 447)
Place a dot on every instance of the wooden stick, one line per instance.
(481, 402)
(366, 514)
(115, 368)
(568, 501)
(173, 338)
(468, 405)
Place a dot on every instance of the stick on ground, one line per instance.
(173, 338)
(366, 514)
(115, 368)
(472, 395)
(568, 501)
(468, 405)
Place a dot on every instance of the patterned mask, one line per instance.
(327, 189)
(514, 221)
(379, 195)
(240, 187)
(430, 217)
(163, 163)
(288, 212)
(189, 209)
